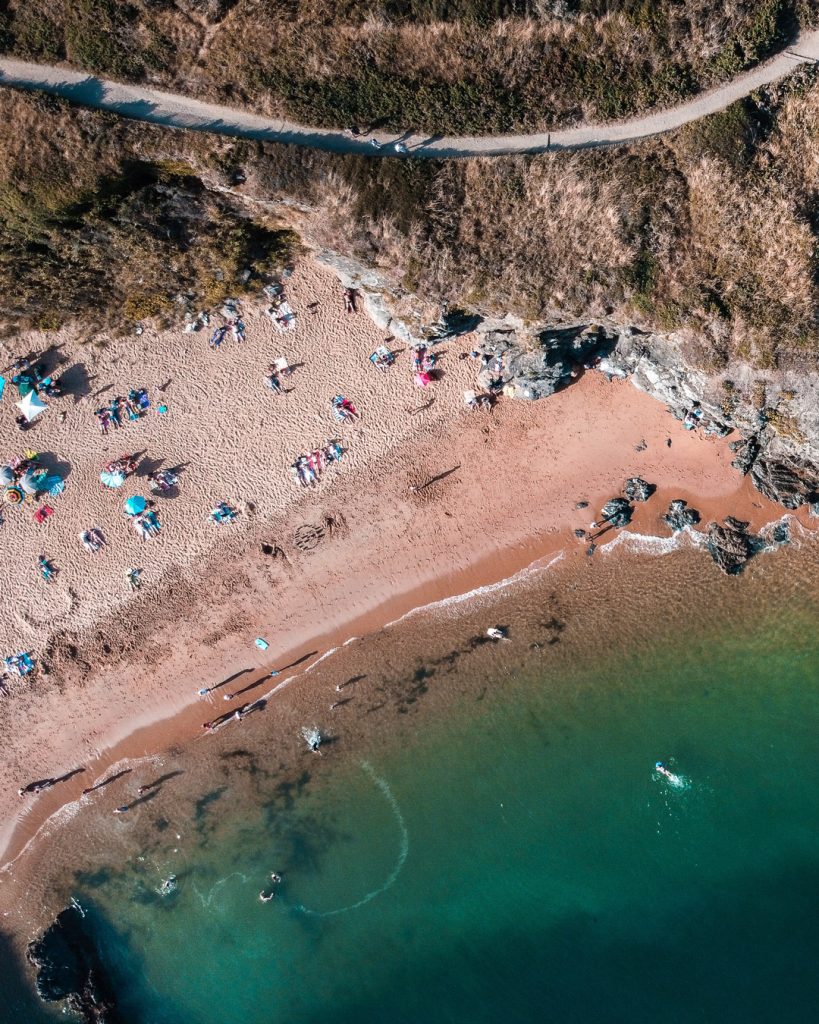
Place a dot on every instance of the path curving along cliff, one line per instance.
(178, 111)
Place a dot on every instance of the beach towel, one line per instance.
(19, 664)
(43, 513)
(2, 386)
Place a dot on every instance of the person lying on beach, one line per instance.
(46, 569)
(162, 480)
(350, 299)
(344, 410)
(92, 540)
(218, 337)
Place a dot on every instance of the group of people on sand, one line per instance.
(235, 328)
(424, 361)
(122, 410)
(307, 469)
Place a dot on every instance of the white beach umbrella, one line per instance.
(31, 406)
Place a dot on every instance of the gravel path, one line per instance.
(178, 111)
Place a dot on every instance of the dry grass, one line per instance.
(713, 231)
(435, 65)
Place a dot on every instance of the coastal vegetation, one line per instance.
(712, 228)
(110, 239)
(427, 65)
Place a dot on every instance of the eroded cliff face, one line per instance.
(772, 417)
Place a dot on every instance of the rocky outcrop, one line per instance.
(637, 489)
(535, 366)
(746, 450)
(730, 545)
(773, 414)
(68, 969)
(680, 515)
(616, 512)
(789, 482)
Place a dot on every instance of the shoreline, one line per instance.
(426, 508)
(151, 739)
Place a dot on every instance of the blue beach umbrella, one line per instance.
(135, 505)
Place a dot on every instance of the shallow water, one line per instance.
(514, 857)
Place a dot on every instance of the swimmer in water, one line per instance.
(274, 877)
(662, 768)
(266, 897)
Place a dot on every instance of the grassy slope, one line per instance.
(714, 228)
(93, 230)
(430, 65)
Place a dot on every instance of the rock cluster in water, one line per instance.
(68, 968)
(730, 545)
(680, 515)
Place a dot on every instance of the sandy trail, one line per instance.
(178, 111)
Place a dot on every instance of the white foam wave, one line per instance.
(483, 591)
(648, 544)
(403, 852)
(67, 811)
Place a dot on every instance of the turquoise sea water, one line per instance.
(517, 858)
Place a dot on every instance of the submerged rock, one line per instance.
(637, 489)
(781, 533)
(616, 512)
(730, 545)
(68, 968)
(680, 515)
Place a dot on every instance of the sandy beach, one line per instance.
(430, 500)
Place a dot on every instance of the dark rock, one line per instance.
(580, 534)
(679, 515)
(539, 371)
(747, 450)
(582, 504)
(730, 545)
(68, 968)
(790, 484)
(637, 489)
(617, 512)
(781, 533)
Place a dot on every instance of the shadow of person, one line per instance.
(76, 381)
(54, 464)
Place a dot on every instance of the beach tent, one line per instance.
(135, 505)
(31, 406)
